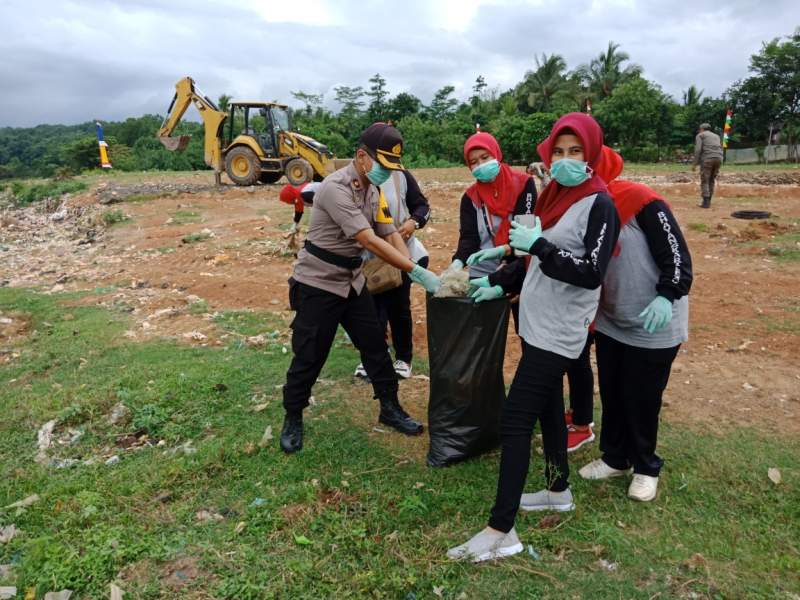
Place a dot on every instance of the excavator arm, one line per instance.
(213, 119)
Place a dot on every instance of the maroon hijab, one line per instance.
(556, 199)
(499, 196)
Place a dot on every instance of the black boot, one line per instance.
(393, 415)
(292, 433)
(706, 202)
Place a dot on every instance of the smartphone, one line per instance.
(528, 221)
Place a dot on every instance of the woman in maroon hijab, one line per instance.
(571, 245)
(487, 208)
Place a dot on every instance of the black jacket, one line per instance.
(469, 241)
(417, 203)
(586, 271)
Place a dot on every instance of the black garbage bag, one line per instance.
(466, 345)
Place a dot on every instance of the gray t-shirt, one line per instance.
(555, 315)
(629, 286)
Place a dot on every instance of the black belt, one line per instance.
(346, 262)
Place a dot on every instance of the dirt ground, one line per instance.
(740, 366)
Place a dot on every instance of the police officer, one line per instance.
(327, 287)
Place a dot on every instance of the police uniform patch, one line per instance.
(384, 216)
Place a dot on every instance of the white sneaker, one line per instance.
(643, 487)
(402, 368)
(360, 371)
(598, 469)
(487, 545)
(547, 500)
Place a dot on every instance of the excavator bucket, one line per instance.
(175, 144)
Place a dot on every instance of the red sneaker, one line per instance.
(576, 438)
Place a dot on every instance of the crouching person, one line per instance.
(327, 287)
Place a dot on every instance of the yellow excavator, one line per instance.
(257, 144)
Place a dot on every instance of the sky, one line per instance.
(70, 61)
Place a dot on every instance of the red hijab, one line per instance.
(629, 197)
(499, 196)
(556, 199)
(291, 195)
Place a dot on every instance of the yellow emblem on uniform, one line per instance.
(397, 149)
(384, 216)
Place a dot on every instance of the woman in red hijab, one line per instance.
(571, 245)
(488, 206)
(642, 321)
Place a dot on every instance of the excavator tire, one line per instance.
(270, 176)
(298, 171)
(242, 166)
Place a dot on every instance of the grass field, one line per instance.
(196, 508)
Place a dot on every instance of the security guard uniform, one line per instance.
(328, 289)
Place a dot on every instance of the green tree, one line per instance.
(478, 91)
(635, 114)
(351, 100)
(402, 105)
(442, 104)
(771, 96)
(83, 153)
(689, 116)
(311, 102)
(224, 102)
(377, 94)
(519, 135)
(691, 97)
(547, 85)
(604, 73)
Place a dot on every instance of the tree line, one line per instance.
(638, 117)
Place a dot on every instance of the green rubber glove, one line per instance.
(425, 278)
(483, 294)
(522, 238)
(480, 282)
(454, 266)
(657, 314)
(495, 253)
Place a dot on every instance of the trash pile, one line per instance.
(455, 284)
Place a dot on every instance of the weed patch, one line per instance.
(785, 247)
(111, 217)
(25, 194)
(184, 217)
(199, 236)
(142, 197)
(699, 227)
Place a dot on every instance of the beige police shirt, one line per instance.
(342, 208)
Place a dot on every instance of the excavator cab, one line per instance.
(253, 121)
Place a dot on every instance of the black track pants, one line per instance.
(632, 381)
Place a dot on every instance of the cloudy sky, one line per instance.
(69, 61)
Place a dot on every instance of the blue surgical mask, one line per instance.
(569, 172)
(378, 174)
(487, 171)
